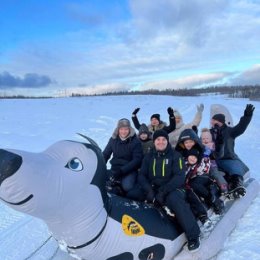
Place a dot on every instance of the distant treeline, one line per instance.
(251, 92)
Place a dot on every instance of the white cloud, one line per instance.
(170, 37)
(248, 77)
(186, 82)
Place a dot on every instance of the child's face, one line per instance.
(143, 136)
(188, 144)
(192, 159)
(206, 138)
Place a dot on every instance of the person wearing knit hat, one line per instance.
(192, 155)
(155, 121)
(220, 118)
(197, 179)
(145, 138)
(160, 133)
(161, 181)
(227, 160)
(156, 117)
(126, 151)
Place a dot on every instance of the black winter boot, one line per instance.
(236, 186)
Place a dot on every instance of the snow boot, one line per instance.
(194, 244)
(236, 187)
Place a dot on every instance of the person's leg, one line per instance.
(232, 167)
(128, 181)
(218, 176)
(236, 169)
(136, 193)
(197, 207)
(176, 202)
(199, 185)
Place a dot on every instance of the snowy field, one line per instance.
(33, 125)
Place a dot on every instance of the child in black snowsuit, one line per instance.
(189, 140)
(145, 137)
(197, 178)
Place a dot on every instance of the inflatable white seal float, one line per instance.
(65, 187)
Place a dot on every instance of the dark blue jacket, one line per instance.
(127, 154)
(162, 171)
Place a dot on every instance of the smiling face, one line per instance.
(123, 132)
(160, 143)
(188, 144)
(46, 185)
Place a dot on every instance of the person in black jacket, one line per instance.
(227, 160)
(162, 178)
(155, 121)
(127, 155)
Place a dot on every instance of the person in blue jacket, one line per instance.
(127, 154)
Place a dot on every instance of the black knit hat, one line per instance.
(157, 116)
(220, 118)
(193, 152)
(159, 133)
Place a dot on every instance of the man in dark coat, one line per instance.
(227, 160)
(162, 178)
(127, 154)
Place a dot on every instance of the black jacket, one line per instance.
(229, 134)
(127, 154)
(162, 171)
(162, 125)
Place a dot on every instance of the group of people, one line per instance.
(172, 166)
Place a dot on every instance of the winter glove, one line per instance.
(195, 129)
(136, 111)
(150, 196)
(159, 199)
(249, 110)
(170, 112)
(200, 108)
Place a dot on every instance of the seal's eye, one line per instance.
(75, 164)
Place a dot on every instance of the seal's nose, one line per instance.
(9, 164)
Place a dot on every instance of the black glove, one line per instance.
(150, 196)
(195, 129)
(170, 112)
(249, 110)
(136, 111)
(159, 199)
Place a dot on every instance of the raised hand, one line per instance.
(249, 110)
(170, 111)
(136, 111)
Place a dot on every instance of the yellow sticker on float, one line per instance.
(131, 227)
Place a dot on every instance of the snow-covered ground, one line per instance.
(33, 125)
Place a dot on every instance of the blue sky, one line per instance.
(98, 46)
